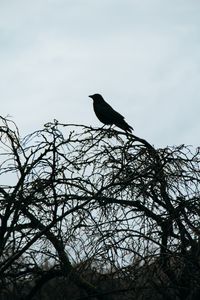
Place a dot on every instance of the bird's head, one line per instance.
(96, 97)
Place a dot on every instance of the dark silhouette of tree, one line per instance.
(102, 209)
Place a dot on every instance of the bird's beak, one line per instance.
(90, 96)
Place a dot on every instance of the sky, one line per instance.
(143, 56)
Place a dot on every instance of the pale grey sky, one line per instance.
(143, 56)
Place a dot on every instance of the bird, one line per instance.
(107, 115)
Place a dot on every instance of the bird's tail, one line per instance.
(125, 126)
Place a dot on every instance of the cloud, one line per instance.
(141, 55)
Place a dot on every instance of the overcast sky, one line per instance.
(143, 56)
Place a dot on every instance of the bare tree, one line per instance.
(75, 199)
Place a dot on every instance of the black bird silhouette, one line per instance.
(107, 115)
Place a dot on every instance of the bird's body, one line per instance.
(107, 115)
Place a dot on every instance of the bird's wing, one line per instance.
(106, 114)
(112, 113)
